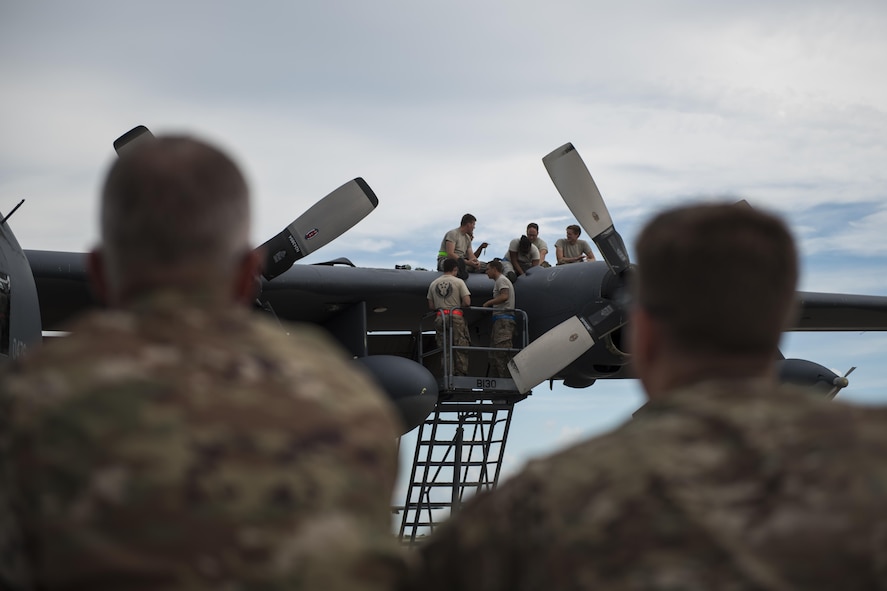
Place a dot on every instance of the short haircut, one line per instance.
(496, 264)
(719, 278)
(173, 201)
(467, 219)
(576, 229)
(449, 265)
(533, 225)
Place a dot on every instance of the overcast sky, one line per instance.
(449, 107)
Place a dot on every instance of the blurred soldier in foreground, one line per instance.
(725, 480)
(181, 441)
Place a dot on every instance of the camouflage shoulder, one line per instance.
(322, 368)
(503, 537)
(14, 573)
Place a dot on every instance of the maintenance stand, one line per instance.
(460, 446)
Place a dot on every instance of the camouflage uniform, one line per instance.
(501, 337)
(184, 444)
(502, 333)
(461, 338)
(721, 486)
(14, 573)
(446, 293)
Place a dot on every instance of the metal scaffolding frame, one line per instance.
(460, 446)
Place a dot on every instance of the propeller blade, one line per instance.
(562, 345)
(573, 181)
(840, 383)
(549, 354)
(324, 221)
(128, 139)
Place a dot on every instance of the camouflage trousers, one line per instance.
(460, 339)
(500, 338)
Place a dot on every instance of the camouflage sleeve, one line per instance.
(171, 469)
(351, 547)
(587, 518)
(708, 494)
(490, 544)
(13, 567)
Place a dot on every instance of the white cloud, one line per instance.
(448, 109)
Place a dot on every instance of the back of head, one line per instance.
(524, 245)
(719, 279)
(172, 206)
(449, 265)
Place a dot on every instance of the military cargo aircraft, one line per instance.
(576, 314)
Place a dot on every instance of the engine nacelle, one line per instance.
(410, 386)
(811, 376)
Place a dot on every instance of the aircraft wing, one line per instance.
(394, 298)
(840, 312)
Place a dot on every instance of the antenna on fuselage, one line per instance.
(9, 215)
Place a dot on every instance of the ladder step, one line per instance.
(488, 423)
(464, 441)
(451, 463)
(450, 484)
(480, 430)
